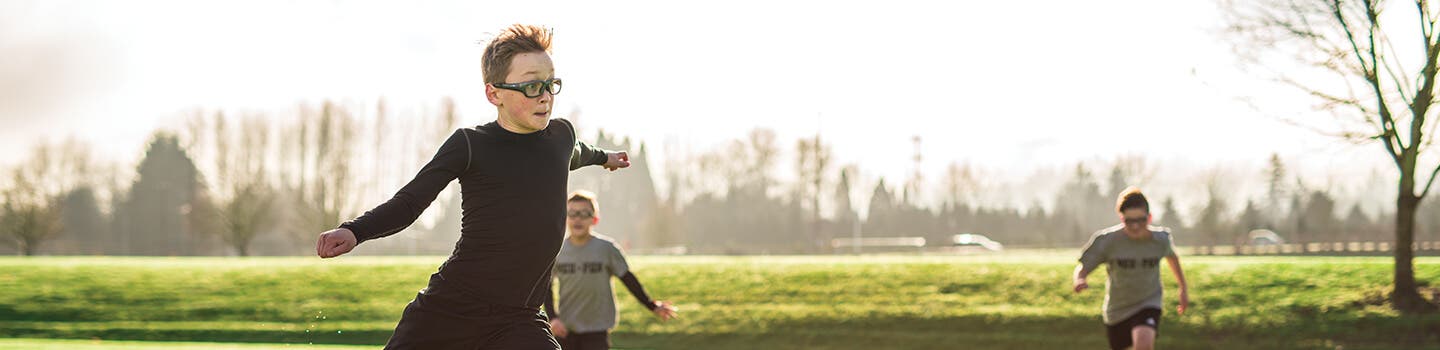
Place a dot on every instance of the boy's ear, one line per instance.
(492, 94)
(596, 220)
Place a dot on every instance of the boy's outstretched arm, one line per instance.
(661, 309)
(452, 159)
(1094, 253)
(584, 154)
(1078, 280)
(1174, 261)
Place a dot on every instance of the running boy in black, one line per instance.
(512, 175)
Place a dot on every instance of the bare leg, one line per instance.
(1143, 337)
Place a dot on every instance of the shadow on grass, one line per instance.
(994, 332)
(977, 332)
(353, 337)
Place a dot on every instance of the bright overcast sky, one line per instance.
(1011, 86)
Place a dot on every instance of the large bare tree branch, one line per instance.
(1390, 63)
(1428, 19)
(1427, 25)
(1389, 137)
(1330, 99)
(1350, 136)
(1334, 58)
(1424, 98)
(1430, 182)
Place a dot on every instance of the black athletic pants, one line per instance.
(440, 317)
(1119, 333)
(586, 341)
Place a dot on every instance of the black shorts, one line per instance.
(586, 341)
(1119, 333)
(444, 318)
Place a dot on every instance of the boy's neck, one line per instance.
(1141, 236)
(511, 127)
(580, 238)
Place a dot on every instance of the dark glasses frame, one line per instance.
(1136, 221)
(552, 85)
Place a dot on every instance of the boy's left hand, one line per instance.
(664, 310)
(617, 160)
(1184, 302)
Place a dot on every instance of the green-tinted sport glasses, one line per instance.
(533, 88)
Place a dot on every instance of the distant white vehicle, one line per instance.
(970, 239)
(1265, 237)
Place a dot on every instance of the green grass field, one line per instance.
(72, 344)
(1013, 301)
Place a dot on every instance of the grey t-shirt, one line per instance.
(1133, 267)
(587, 303)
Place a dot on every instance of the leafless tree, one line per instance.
(1372, 64)
(31, 210)
(237, 203)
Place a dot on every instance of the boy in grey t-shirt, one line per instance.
(584, 266)
(1131, 252)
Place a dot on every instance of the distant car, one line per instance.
(1265, 237)
(974, 240)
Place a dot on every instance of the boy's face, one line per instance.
(579, 216)
(519, 113)
(1137, 222)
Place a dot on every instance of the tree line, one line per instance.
(251, 183)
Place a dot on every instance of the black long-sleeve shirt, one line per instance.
(513, 207)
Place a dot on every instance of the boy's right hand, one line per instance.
(1081, 285)
(617, 160)
(558, 328)
(335, 242)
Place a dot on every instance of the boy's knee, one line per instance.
(1143, 337)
